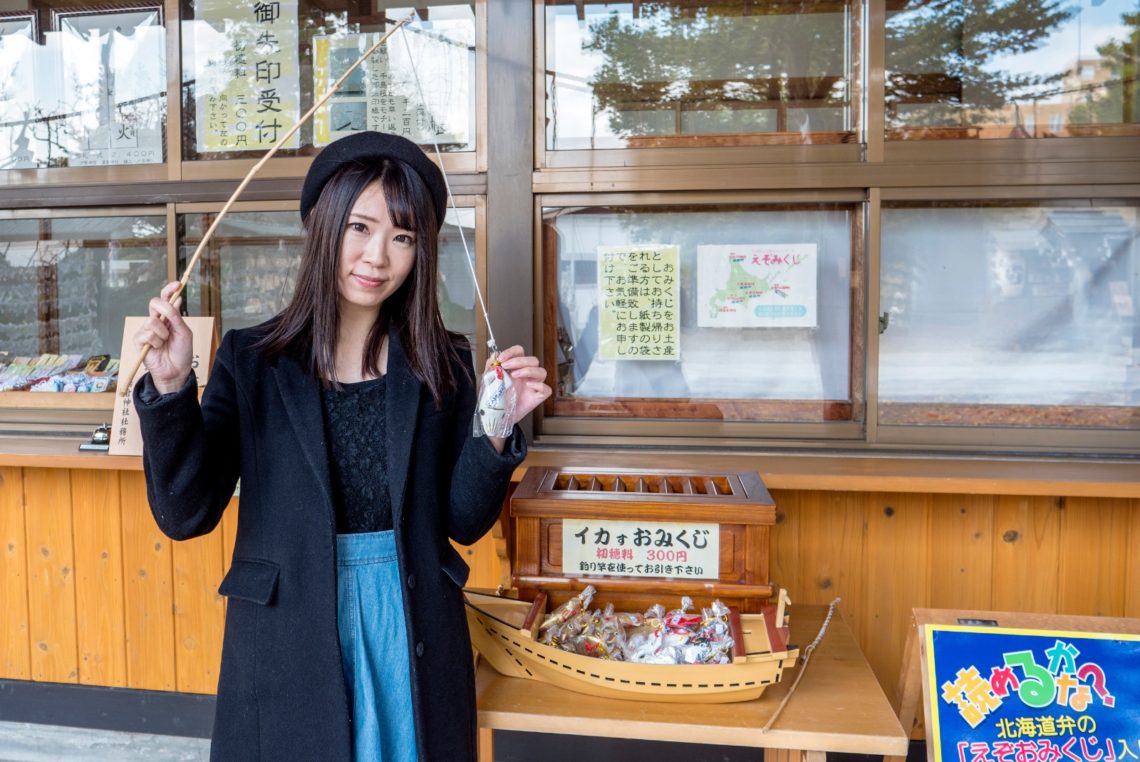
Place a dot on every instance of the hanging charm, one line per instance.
(498, 398)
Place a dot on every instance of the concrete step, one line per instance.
(27, 742)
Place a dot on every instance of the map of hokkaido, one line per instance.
(757, 285)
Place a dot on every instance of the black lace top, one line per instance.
(358, 458)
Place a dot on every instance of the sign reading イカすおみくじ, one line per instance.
(640, 549)
(1006, 695)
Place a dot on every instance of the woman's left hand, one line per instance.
(529, 379)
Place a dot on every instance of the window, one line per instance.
(250, 70)
(678, 73)
(974, 70)
(735, 312)
(1011, 314)
(66, 283)
(249, 267)
(89, 91)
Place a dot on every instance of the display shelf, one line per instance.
(57, 400)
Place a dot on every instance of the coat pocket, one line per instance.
(455, 567)
(251, 579)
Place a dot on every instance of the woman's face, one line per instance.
(375, 256)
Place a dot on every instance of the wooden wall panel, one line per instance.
(833, 535)
(199, 612)
(784, 544)
(100, 616)
(15, 658)
(961, 551)
(148, 597)
(1094, 537)
(897, 567)
(1132, 564)
(229, 532)
(484, 560)
(1027, 547)
(51, 575)
(135, 609)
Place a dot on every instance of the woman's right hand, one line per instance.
(171, 343)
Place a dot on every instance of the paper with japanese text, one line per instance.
(126, 436)
(246, 77)
(640, 549)
(639, 298)
(757, 285)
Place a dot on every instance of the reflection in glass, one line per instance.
(1032, 307)
(1012, 68)
(763, 353)
(456, 288)
(249, 73)
(90, 91)
(66, 284)
(248, 270)
(683, 73)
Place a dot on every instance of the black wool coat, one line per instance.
(281, 690)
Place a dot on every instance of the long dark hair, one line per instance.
(307, 328)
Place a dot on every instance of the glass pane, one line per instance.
(249, 267)
(88, 91)
(690, 73)
(737, 312)
(1012, 68)
(1011, 315)
(250, 70)
(67, 284)
(247, 271)
(457, 300)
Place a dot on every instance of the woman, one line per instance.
(348, 418)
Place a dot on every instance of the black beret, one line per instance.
(366, 146)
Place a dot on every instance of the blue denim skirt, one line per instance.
(374, 647)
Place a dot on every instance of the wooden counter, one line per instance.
(837, 707)
(853, 472)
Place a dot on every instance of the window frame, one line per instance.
(560, 427)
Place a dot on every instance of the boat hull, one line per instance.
(495, 625)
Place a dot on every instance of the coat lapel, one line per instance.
(302, 397)
(401, 410)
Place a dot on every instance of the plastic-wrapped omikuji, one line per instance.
(649, 585)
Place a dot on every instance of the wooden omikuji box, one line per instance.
(737, 503)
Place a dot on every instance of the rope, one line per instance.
(451, 199)
(803, 668)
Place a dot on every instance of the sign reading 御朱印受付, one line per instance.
(1006, 695)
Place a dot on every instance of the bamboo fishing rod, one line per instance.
(249, 176)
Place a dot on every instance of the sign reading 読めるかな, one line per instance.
(639, 298)
(1005, 695)
(246, 77)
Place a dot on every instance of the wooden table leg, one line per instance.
(909, 693)
(792, 755)
(486, 745)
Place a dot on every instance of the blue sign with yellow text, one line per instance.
(1005, 695)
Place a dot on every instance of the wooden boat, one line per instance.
(504, 629)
